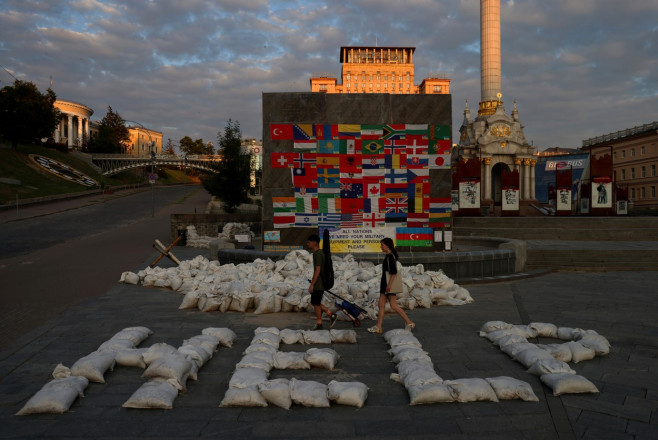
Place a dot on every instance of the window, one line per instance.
(642, 151)
(385, 77)
(348, 76)
(614, 155)
(623, 154)
(653, 171)
(632, 152)
(653, 192)
(643, 172)
(643, 193)
(632, 173)
(623, 174)
(363, 85)
(632, 193)
(437, 89)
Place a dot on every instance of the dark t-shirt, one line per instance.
(318, 260)
(389, 265)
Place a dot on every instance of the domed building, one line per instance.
(73, 128)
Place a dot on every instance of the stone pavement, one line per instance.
(619, 305)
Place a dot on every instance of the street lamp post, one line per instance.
(152, 179)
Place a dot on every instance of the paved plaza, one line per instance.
(621, 306)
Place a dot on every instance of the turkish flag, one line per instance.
(281, 131)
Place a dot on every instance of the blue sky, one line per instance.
(577, 69)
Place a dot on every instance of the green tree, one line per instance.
(233, 178)
(170, 147)
(188, 146)
(113, 135)
(27, 115)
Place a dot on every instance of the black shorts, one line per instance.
(316, 297)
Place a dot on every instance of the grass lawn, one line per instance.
(21, 178)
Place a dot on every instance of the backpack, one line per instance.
(328, 269)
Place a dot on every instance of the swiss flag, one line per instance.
(283, 160)
(281, 131)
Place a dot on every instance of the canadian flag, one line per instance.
(373, 190)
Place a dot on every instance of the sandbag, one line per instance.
(55, 397)
(343, 336)
(276, 392)
(247, 377)
(509, 388)
(471, 390)
(321, 358)
(316, 336)
(347, 393)
(430, 393)
(173, 366)
(565, 383)
(156, 351)
(550, 365)
(289, 336)
(207, 342)
(532, 355)
(156, 393)
(309, 393)
(258, 359)
(225, 336)
(267, 338)
(94, 365)
(579, 352)
(131, 357)
(291, 360)
(247, 396)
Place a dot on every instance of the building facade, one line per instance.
(634, 160)
(143, 141)
(73, 128)
(366, 69)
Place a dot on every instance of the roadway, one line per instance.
(55, 255)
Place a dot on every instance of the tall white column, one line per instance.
(532, 179)
(490, 49)
(526, 179)
(69, 140)
(79, 140)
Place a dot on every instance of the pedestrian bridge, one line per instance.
(115, 163)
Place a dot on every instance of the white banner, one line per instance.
(510, 199)
(563, 200)
(469, 195)
(602, 194)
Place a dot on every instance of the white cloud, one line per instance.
(576, 68)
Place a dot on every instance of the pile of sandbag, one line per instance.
(415, 371)
(250, 385)
(549, 361)
(266, 286)
(166, 367)
(229, 231)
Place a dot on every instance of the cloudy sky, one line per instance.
(577, 68)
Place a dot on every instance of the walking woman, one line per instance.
(391, 284)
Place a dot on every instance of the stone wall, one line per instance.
(211, 224)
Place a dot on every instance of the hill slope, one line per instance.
(21, 178)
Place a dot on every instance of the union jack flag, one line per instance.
(396, 205)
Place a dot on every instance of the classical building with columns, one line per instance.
(73, 128)
(495, 138)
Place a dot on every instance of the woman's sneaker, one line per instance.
(317, 327)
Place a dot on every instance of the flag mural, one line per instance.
(363, 176)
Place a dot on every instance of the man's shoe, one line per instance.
(317, 327)
(333, 319)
